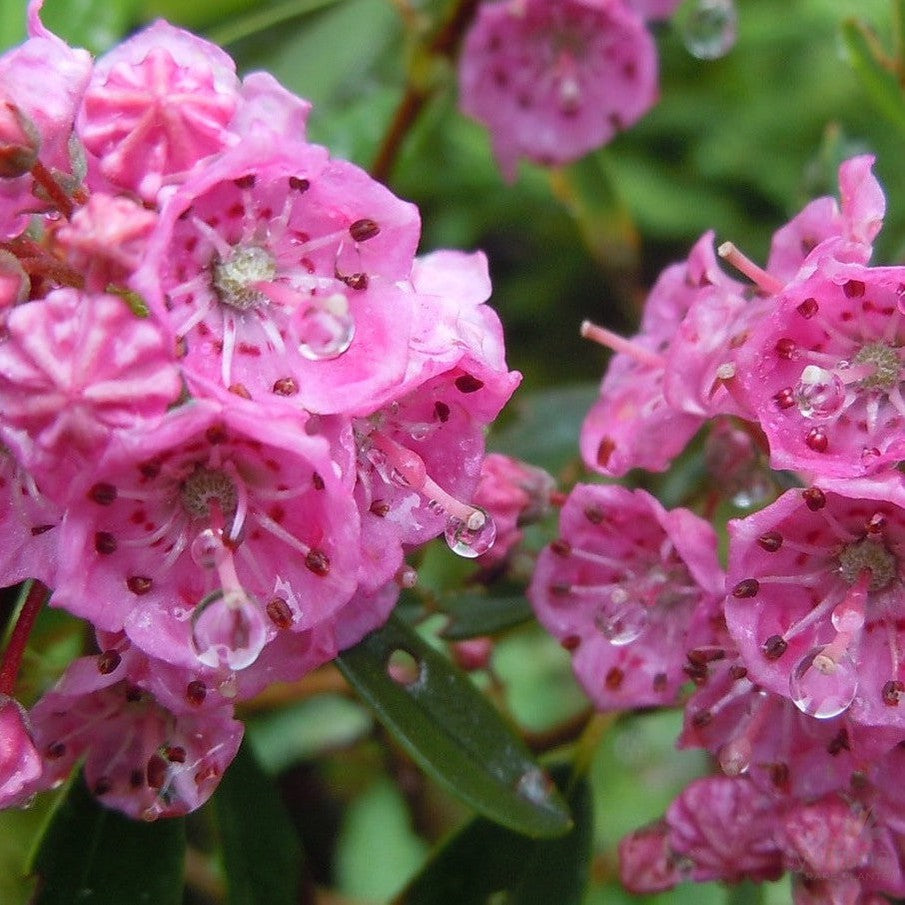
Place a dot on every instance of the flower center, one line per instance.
(886, 366)
(235, 276)
(206, 486)
(871, 556)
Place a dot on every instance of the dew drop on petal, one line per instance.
(471, 538)
(326, 329)
(708, 28)
(421, 430)
(735, 757)
(228, 629)
(206, 548)
(620, 618)
(819, 393)
(822, 687)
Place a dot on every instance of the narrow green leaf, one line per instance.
(262, 857)
(261, 19)
(881, 84)
(745, 893)
(485, 863)
(472, 615)
(94, 24)
(453, 732)
(94, 856)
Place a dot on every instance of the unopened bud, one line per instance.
(19, 142)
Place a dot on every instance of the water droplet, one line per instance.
(735, 757)
(471, 538)
(708, 28)
(207, 548)
(535, 785)
(821, 686)
(754, 492)
(228, 629)
(620, 619)
(421, 430)
(326, 329)
(819, 393)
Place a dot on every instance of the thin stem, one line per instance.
(37, 595)
(445, 43)
(54, 190)
(763, 280)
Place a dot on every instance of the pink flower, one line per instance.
(646, 862)
(727, 828)
(156, 105)
(140, 758)
(815, 585)
(42, 81)
(210, 537)
(20, 762)
(75, 369)
(513, 493)
(553, 81)
(823, 371)
(628, 588)
(278, 268)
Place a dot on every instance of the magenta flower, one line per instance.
(823, 371)
(210, 537)
(41, 84)
(628, 588)
(156, 105)
(815, 585)
(552, 81)
(75, 369)
(278, 269)
(646, 862)
(20, 761)
(139, 757)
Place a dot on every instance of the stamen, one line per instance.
(618, 343)
(743, 264)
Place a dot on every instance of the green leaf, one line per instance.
(485, 863)
(745, 893)
(472, 615)
(262, 856)
(881, 84)
(95, 856)
(264, 18)
(94, 24)
(453, 732)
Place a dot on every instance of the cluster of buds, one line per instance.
(555, 79)
(796, 654)
(232, 399)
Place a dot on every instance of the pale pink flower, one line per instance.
(627, 588)
(554, 80)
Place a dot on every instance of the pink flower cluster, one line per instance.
(555, 79)
(797, 655)
(231, 401)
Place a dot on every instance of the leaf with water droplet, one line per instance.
(484, 860)
(453, 732)
(94, 856)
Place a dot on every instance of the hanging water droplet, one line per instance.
(207, 548)
(228, 629)
(620, 618)
(326, 329)
(473, 537)
(819, 393)
(821, 686)
(708, 28)
(755, 490)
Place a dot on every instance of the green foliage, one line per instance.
(93, 856)
(452, 732)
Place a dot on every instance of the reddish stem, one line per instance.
(54, 191)
(38, 595)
